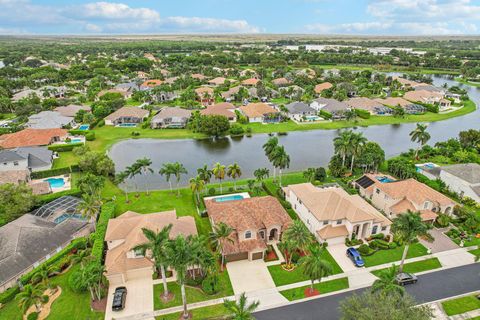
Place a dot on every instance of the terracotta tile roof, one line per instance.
(330, 232)
(222, 109)
(406, 82)
(322, 86)
(128, 228)
(363, 103)
(422, 95)
(217, 81)
(202, 90)
(403, 206)
(31, 137)
(250, 82)
(256, 110)
(334, 203)
(238, 246)
(152, 83)
(198, 76)
(135, 112)
(428, 215)
(71, 110)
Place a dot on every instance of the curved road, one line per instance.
(430, 287)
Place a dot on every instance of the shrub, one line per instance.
(364, 249)
(99, 243)
(381, 244)
(210, 285)
(54, 172)
(75, 283)
(9, 294)
(135, 133)
(236, 129)
(325, 244)
(392, 245)
(211, 191)
(45, 298)
(320, 174)
(364, 114)
(373, 244)
(230, 189)
(378, 236)
(325, 114)
(295, 257)
(64, 147)
(32, 316)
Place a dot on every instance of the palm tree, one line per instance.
(30, 296)
(120, 178)
(221, 234)
(358, 142)
(219, 173)
(298, 234)
(205, 174)
(408, 227)
(156, 246)
(42, 275)
(309, 174)
(234, 171)
(314, 266)
(281, 160)
(178, 169)
(386, 282)
(420, 135)
(133, 171)
(261, 174)
(196, 185)
(241, 310)
(180, 258)
(342, 144)
(144, 168)
(167, 171)
(268, 147)
(81, 257)
(90, 206)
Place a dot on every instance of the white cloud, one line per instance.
(197, 24)
(117, 11)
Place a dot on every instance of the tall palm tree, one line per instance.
(342, 144)
(178, 169)
(261, 174)
(29, 296)
(269, 147)
(309, 174)
(156, 247)
(221, 234)
(167, 171)
(218, 171)
(386, 282)
(314, 266)
(408, 226)
(298, 233)
(133, 171)
(234, 171)
(420, 135)
(42, 275)
(120, 178)
(90, 206)
(196, 185)
(205, 174)
(281, 160)
(181, 257)
(241, 310)
(144, 168)
(358, 142)
(81, 257)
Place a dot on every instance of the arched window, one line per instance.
(262, 234)
(248, 234)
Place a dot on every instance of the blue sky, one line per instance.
(366, 17)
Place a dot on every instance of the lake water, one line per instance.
(306, 148)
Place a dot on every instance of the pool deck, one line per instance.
(66, 186)
(245, 195)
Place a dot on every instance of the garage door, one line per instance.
(236, 256)
(257, 255)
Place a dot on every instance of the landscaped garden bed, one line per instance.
(418, 266)
(320, 288)
(270, 254)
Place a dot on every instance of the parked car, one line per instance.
(404, 278)
(119, 297)
(355, 256)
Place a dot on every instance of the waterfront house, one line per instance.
(126, 115)
(49, 120)
(332, 106)
(171, 117)
(225, 109)
(32, 137)
(260, 112)
(299, 110)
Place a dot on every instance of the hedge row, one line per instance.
(364, 114)
(9, 294)
(98, 248)
(89, 135)
(64, 147)
(54, 172)
(325, 114)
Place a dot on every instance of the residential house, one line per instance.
(331, 214)
(149, 84)
(405, 83)
(23, 177)
(128, 87)
(260, 112)
(171, 117)
(126, 115)
(49, 120)
(428, 87)
(291, 92)
(71, 110)
(198, 76)
(395, 197)
(26, 158)
(332, 106)
(322, 86)
(25, 94)
(252, 82)
(367, 104)
(463, 179)
(32, 137)
(429, 97)
(217, 81)
(281, 82)
(205, 95)
(255, 222)
(408, 106)
(10, 160)
(34, 237)
(299, 110)
(123, 233)
(225, 109)
(165, 96)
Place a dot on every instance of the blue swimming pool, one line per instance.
(75, 140)
(84, 127)
(229, 198)
(312, 118)
(384, 179)
(55, 182)
(66, 216)
(127, 125)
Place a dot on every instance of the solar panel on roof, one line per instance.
(364, 182)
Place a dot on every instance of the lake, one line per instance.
(306, 148)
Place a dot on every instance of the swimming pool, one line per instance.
(66, 216)
(312, 118)
(229, 198)
(384, 179)
(55, 182)
(84, 127)
(127, 125)
(76, 140)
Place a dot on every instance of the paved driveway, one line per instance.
(338, 252)
(248, 276)
(139, 299)
(441, 242)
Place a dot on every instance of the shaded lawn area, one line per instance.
(418, 266)
(322, 287)
(391, 255)
(193, 294)
(69, 305)
(282, 277)
(461, 305)
(217, 310)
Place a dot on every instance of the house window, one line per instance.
(384, 228)
(308, 221)
(425, 205)
(374, 230)
(325, 222)
(339, 221)
(262, 234)
(377, 191)
(15, 163)
(138, 253)
(248, 234)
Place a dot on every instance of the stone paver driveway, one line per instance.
(248, 276)
(441, 242)
(339, 253)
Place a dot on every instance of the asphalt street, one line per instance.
(430, 287)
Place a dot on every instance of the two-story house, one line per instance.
(255, 221)
(396, 197)
(124, 233)
(331, 214)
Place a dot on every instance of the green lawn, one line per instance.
(418, 266)
(323, 287)
(460, 305)
(391, 255)
(475, 252)
(217, 310)
(69, 305)
(282, 277)
(193, 294)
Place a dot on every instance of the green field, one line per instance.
(217, 310)
(322, 287)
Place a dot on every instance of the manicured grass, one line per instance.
(322, 287)
(461, 305)
(475, 252)
(470, 83)
(193, 294)
(282, 277)
(69, 305)
(391, 255)
(66, 159)
(217, 310)
(418, 266)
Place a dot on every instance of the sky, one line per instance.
(352, 17)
